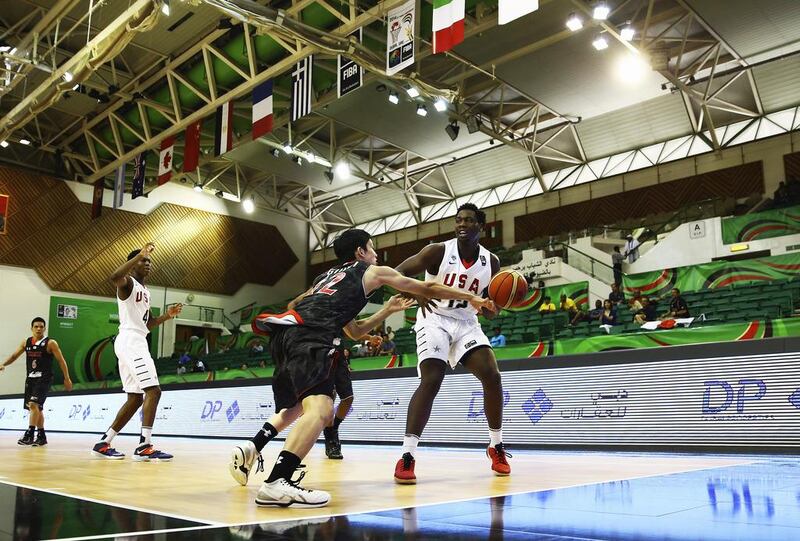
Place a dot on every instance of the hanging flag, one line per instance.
(139, 166)
(223, 132)
(448, 24)
(301, 88)
(508, 10)
(262, 109)
(350, 74)
(4, 214)
(165, 160)
(119, 187)
(97, 199)
(400, 37)
(191, 149)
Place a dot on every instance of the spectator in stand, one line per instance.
(243, 367)
(635, 304)
(257, 349)
(617, 258)
(568, 305)
(185, 358)
(540, 285)
(547, 305)
(591, 315)
(181, 369)
(390, 333)
(677, 306)
(373, 344)
(498, 340)
(631, 248)
(609, 315)
(649, 312)
(387, 346)
(616, 296)
(262, 363)
(199, 366)
(781, 196)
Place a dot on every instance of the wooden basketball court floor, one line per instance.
(195, 487)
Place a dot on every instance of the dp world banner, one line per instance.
(726, 401)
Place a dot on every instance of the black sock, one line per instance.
(284, 467)
(266, 433)
(31, 429)
(336, 422)
(41, 431)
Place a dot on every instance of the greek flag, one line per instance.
(301, 88)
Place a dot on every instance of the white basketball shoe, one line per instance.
(241, 464)
(285, 493)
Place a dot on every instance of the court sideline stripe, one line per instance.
(113, 504)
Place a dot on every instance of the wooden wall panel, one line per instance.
(738, 181)
(52, 232)
(791, 165)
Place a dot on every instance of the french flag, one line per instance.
(262, 109)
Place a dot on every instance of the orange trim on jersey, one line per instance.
(468, 265)
(260, 317)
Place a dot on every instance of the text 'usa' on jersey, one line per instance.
(473, 277)
(337, 298)
(135, 310)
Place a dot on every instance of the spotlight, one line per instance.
(601, 11)
(574, 22)
(248, 205)
(631, 68)
(600, 43)
(24, 142)
(452, 130)
(473, 124)
(275, 152)
(165, 8)
(329, 175)
(220, 194)
(393, 97)
(298, 160)
(422, 110)
(67, 76)
(198, 187)
(4, 46)
(343, 170)
(440, 105)
(412, 91)
(287, 148)
(627, 32)
(3, 144)
(76, 88)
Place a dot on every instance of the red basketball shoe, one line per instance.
(498, 455)
(404, 471)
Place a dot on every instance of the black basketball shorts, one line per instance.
(36, 390)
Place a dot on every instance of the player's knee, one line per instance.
(154, 393)
(34, 407)
(347, 402)
(491, 377)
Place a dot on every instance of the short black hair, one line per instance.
(616, 248)
(133, 254)
(347, 243)
(37, 320)
(479, 214)
(676, 289)
(546, 299)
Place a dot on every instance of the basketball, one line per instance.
(508, 288)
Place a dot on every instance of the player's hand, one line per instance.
(174, 310)
(479, 303)
(68, 384)
(425, 304)
(399, 303)
(490, 312)
(147, 250)
(2, 367)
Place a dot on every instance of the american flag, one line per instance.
(301, 88)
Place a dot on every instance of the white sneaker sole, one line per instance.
(95, 454)
(294, 503)
(237, 461)
(139, 458)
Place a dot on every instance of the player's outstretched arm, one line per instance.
(427, 259)
(52, 347)
(172, 312)
(358, 329)
(13, 357)
(377, 276)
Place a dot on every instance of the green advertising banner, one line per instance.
(85, 331)
(714, 275)
(761, 225)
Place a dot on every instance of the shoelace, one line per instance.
(260, 466)
(408, 458)
(502, 453)
(296, 482)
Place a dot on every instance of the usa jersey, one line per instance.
(38, 361)
(134, 311)
(455, 273)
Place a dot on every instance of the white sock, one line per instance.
(109, 435)
(496, 436)
(147, 431)
(410, 443)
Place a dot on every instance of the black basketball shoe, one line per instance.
(26, 439)
(40, 441)
(333, 447)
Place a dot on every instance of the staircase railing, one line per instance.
(585, 263)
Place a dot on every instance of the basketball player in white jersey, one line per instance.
(448, 333)
(136, 367)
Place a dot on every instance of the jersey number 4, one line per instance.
(326, 288)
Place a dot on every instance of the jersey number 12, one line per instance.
(326, 288)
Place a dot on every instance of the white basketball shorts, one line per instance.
(136, 367)
(447, 338)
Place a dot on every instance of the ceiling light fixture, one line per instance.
(287, 148)
(198, 187)
(165, 8)
(412, 91)
(473, 124)
(24, 142)
(67, 76)
(393, 97)
(452, 130)
(627, 32)
(440, 105)
(422, 110)
(600, 43)
(298, 160)
(574, 22)
(3, 144)
(275, 152)
(343, 170)
(601, 11)
(248, 205)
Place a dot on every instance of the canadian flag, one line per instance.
(165, 160)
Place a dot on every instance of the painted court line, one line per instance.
(124, 535)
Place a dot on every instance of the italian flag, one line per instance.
(448, 24)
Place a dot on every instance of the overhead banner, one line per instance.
(400, 37)
(761, 225)
(733, 402)
(351, 75)
(3, 214)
